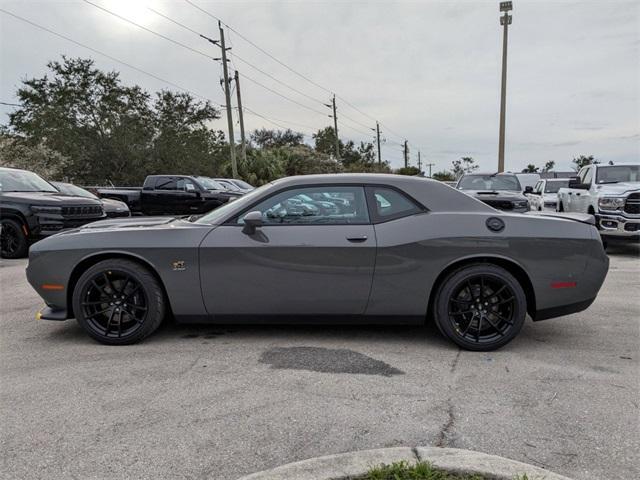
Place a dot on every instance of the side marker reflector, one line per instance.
(39, 316)
(564, 284)
(52, 286)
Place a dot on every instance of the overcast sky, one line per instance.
(429, 71)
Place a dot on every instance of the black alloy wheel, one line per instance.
(13, 241)
(481, 307)
(118, 302)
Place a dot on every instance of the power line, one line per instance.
(153, 32)
(258, 47)
(106, 55)
(238, 57)
(284, 96)
(10, 104)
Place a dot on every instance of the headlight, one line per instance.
(611, 203)
(46, 209)
(520, 204)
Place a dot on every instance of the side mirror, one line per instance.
(528, 189)
(252, 220)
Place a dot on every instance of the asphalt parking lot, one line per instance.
(221, 401)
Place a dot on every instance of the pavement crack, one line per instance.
(445, 435)
(445, 432)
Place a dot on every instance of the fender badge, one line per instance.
(178, 265)
(495, 224)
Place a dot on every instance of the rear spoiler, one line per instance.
(576, 217)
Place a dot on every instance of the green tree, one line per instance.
(325, 141)
(582, 161)
(109, 131)
(531, 168)
(407, 171)
(444, 176)
(264, 138)
(462, 166)
(17, 153)
(549, 166)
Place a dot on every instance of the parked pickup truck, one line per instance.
(172, 195)
(31, 209)
(611, 193)
(545, 194)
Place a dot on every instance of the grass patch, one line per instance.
(419, 471)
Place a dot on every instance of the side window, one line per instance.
(166, 183)
(327, 205)
(538, 187)
(389, 204)
(184, 184)
(588, 176)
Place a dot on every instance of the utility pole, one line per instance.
(243, 145)
(227, 95)
(419, 162)
(378, 140)
(406, 154)
(505, 21)
(429, 165)
(335, 126)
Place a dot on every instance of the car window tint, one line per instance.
(166, 184)
(329, 205)
(390, 203)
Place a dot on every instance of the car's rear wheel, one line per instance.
(480, 307)
(118, 302)
(13, 241)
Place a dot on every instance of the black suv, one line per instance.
(31, 208)
(499, 190)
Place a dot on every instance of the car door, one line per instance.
(581, 196)
(302, 260)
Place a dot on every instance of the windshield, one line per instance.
(553, 186)
(69, 189)
(210, 183)
(618, 173)
(23, 181)
(214, 216)
(242, 184)
(489, 182)
(227, 185)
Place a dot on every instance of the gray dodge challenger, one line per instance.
(344, 248)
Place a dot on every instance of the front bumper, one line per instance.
(52, 313)
(619, 226)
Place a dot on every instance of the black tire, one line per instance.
(561, 207)
(480, 307)
(13, 241)
(118, 302)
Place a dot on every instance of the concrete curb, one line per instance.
(345, 465)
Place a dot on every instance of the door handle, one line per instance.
(360, 238)
(577, 194)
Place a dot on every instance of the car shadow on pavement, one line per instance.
(623, 249)
(534, 336)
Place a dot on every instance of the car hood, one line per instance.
(618, 188)
(495, 194)
(129, 222)
(48, 199)
(111, 205)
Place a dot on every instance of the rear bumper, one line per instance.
(562, 310)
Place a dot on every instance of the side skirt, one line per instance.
(303, 319)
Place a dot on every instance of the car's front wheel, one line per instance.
(13, 241)
(118, 302)
(480, 307)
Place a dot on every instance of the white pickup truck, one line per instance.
(611, 193)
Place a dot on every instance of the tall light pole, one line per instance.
(505, 21)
